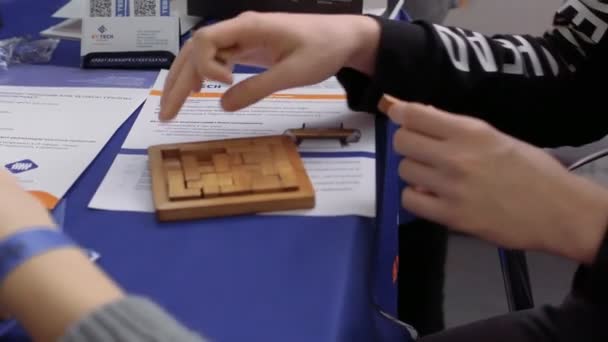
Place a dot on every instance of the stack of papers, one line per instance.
(72, 12)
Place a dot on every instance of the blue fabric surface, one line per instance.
(257, 278)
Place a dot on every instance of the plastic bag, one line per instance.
(35, 51)
(23, 50)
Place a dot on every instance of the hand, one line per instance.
(298, 49)
(18, 209)
(470, 177)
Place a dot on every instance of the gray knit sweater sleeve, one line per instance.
(131, 319)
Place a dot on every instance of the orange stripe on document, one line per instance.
(273, 96)
(48, 201)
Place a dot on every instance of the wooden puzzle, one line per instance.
(228, 177)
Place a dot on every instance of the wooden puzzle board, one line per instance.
(229, 177)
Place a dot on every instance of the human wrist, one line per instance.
(585, 224)
(19, 223)
(51, 292)
(365, 45)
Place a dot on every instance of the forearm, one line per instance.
(51, 292)
(537, 89)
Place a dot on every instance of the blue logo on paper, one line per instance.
(102, 29)
(21, 166)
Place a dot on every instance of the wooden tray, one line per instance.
(228, 177)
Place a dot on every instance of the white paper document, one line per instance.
(201, 118)
(343, 174)
(49, 135)
(343, 186)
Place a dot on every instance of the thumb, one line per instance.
(279, 77)
(397, 112)
(393, 107)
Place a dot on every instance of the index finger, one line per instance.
(185, 82)
(182, 57)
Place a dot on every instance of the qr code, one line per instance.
(145, 8)
(101, 8)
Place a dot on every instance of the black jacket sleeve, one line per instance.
(535, 88)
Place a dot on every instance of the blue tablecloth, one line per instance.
(256, 278)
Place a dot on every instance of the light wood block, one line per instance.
(211, 187)
(206, 169)
(221, 162)
(177, 187)
(242, 180)
(197, 184)
(252, 169)
(268, 168)
(247, 149)
(224, 179)
(256, 157)
(266, 184)
(278, 152)
(235, 159)
(202, 154)
(190, 167)
(232, 190)
(172, 164)
(233, 177)
(289, 180)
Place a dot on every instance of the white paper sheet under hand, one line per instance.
(344, 186)
(201, 118)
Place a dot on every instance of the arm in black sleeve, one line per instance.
(535, 88)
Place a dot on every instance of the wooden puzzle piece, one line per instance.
(266, 184)
(235, 159)
(224, 179)
(248, 149)
(206, 167)
(278, 152)
(197, 184)
(289, 181)
(256, 157)
(268, 168)
(190, 167)
(201, 154)
(177, 187)
(211, 187)
(172, 164)
(253, 169)
(242, 180)
(221, 162)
